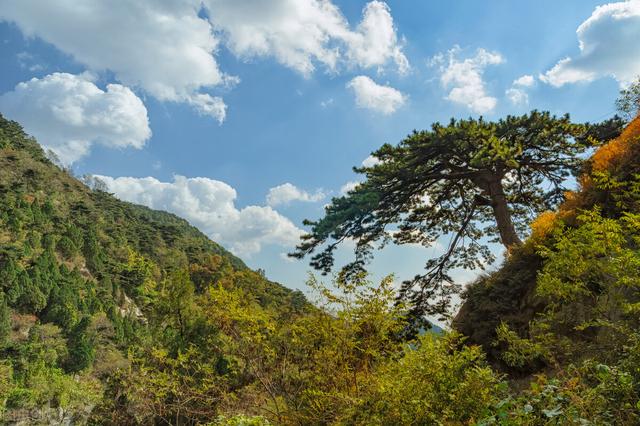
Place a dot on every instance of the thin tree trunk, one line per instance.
(508, 234)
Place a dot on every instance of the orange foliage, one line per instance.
(543, 225)
(616, 156)
(612, 155)
(612, 158)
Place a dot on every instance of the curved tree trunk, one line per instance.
(508, 235)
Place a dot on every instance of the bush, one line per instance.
(438, 381)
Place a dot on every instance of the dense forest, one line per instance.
(112, 313)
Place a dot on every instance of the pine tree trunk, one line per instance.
(508, 235)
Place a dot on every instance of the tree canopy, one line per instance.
(628, 103)
(472, 180)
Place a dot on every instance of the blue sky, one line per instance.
(248, 96)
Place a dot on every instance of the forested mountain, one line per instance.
(85, 277)
(111, 313)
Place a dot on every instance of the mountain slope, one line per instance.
(85, 277)
(566, 280)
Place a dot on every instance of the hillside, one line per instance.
(112, 313)
(87, 272)
(571, 291)
(39, 199)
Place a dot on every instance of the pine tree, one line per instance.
(469, 180)
(81, 346)
(5, 319)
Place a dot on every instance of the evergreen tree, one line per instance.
(31, 299)
(175, 304)
(81, 346)
(629, 101)
(470, 179)
(5, 319)
(66, 247)
(9, 280)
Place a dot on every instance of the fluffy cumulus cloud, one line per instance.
(164, 47)
(210, 205)
(348, 187)
(286, 193)
(68, 114)
(370, 161)
(168, 48)
(517, 93)
(375, 42)
(609, 46)
(524, 81)
(303, 33)
(376, 97)
(464, 77)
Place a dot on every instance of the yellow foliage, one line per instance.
(543, 225)
(614, 154)
(609, 158)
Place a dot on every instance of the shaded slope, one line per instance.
(609, 184)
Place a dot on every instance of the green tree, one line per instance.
(62, 309)
(66, 247)
(629, 101)
(175, 307)
(81, 346)
(436, 381)
(322, 362)
(590, 284)
(138, 276)
(31, 298)
(470, 179)
(5, 319)
(9, 272)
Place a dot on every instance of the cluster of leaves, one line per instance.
(344, 362)
(585, 294)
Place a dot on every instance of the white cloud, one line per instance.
(517, 96)
(609, 46)
(463, 78)
(524, 81)
(163, 47)
(210, 205)
(376, 97)
(287, 192)
(168, 48)
(370, 161)
(303, 33)
(28, 61)
(68, 114)
(206, 104)
(517, 93)
(348, 187)
(375, 42)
